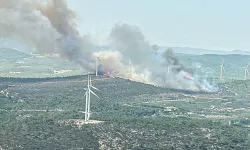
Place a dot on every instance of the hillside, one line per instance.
(17, 64)
(12, 55)
(210, 64)
(135, 115)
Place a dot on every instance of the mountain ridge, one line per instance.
(202, 51)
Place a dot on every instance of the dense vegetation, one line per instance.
(135, 116)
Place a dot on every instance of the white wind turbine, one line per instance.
(96, 65)
(169, 69)
(130, 65)
(222, 69)
(87, 94)
(246, 70)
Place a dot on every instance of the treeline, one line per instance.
(23, 80)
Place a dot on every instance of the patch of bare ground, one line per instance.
(231, 109)
(204, 96)
(73, 81)
(78, 122)
(36, 110)
(167, 100)
(178, 97)
(216, 116)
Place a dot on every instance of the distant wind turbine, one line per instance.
(222, 69)
(96, 65)
(237, 74)
(130, 66)
(87, 95)
(169, 68)
(246, 70)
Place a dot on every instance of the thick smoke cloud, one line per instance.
(132, 45)
(130, 41)
(50, 26)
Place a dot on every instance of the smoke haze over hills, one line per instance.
(50, 26)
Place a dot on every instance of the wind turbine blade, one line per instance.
(95, 88)
(94, 94)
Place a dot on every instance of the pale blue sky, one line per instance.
(210, 24)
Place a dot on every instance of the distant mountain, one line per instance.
(189, 50)
(200, 51)
(240, 52)
(12, 54)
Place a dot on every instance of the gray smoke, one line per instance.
(49, 25)
(131, 43)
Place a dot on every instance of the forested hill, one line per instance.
(47, 114)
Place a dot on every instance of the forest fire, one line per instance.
(52, 29)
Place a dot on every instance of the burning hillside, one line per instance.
(50, 26)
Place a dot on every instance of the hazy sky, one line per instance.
(211, 24)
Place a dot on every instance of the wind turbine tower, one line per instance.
(169, 68)
(87, 95)
(222, 69)
(96, 65)
(246, 70)
(130, 66)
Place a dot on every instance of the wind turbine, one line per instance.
(246, 70)
(130, 66)
(222, 69)
(96, 65)
(236, 71)
(169, 69)
(87, 95)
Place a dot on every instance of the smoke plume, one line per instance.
(50, 26)
(164, 71)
